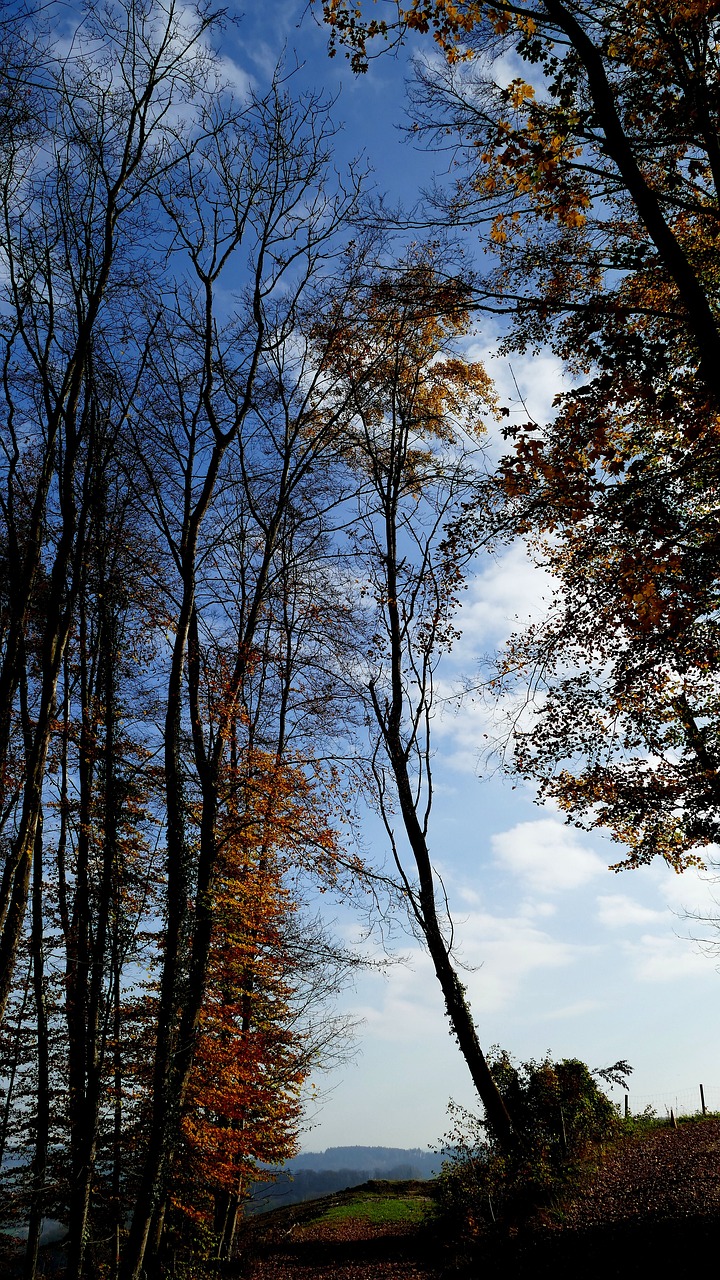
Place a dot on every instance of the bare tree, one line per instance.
(184, 445)
(413, 436)
(232, 406)
(75, 225)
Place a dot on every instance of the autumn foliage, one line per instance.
(591, 174)
(243, 1106)
(241, 482)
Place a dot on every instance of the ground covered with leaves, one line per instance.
(650, 1207)
(653, 1205)
(377, 1230)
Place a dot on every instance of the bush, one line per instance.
(562, 1118)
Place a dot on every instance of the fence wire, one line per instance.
(682, 1102)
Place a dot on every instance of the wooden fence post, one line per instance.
(627, 1105)
(702, 1101)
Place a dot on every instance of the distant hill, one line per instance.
(319, 1173)
(367, 1158)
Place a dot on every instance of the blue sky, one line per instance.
(564, 955)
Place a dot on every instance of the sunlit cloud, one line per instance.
(526, 385)
(509, 592)
(547, 856)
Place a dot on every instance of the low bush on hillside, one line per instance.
(562, 1120)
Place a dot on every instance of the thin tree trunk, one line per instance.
(456, 1003)
(13, 1064)
(390, 718)
(78, 964)
(91, 973)
(42, 1124)
(117, 1096)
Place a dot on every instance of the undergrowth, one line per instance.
(564, 1123)
(562, 1120)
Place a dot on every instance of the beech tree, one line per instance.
(75, 190)
(602, 158)
(232, 418)
(593, 176)
(256, 1043)
(627, 733)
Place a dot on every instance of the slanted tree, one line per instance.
(412, 436)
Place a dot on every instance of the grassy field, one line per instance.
(379, 1209)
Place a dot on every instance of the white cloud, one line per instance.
(481, 724)
(615, 910)
(689, 943)
(498, 955)
(667, 958)
(510, 592)
(693, 892)
(506, 951)
(236, 77)
(538, 909)
(525, 384)
(408, 1004)
(547, 855)
(470, 896)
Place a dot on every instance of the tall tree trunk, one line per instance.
(12, 1065)
(701, 318)
(89, 992)
(79, 959)
(57, 619)
(42, 1122)
(424, 907)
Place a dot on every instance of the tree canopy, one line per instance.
(591, 173)
(242, 480)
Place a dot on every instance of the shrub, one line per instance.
(562, 1118)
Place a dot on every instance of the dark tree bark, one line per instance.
(38, 1169)
(84, 202)
(404, 437)
(264, 179)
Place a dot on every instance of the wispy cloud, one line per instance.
(616, 910)
(575, 1010)
(665, 958)
(498, 955)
